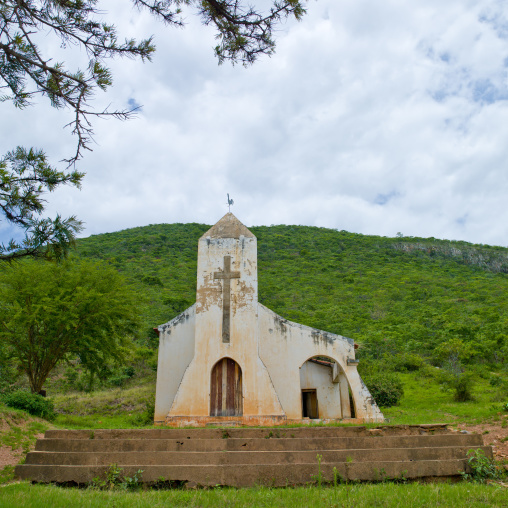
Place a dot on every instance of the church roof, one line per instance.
(228, 227)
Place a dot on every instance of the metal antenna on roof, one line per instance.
(230, 202)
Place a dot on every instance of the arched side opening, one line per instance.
(325, 390)
(226, 389)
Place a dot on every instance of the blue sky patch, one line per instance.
(485, 92)
(133, 104)
(382, 199)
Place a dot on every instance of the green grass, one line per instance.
(22, 437)
(99, 421)
(425, 402)
(354, 495)
(107, 408)
(112, 401)
(22, 428)
(6, 474)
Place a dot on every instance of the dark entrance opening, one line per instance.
(352, 405)
(226, 390)
(310, 404)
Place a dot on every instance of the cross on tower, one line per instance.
(226, 276)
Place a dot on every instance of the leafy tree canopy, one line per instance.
(52, 312)
(24, 176)
(28, 71)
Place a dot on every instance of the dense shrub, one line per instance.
(118, 379)
(120, 376)
(33, 403)
(463, 387)
(406, 362)
(8, 374)
(129, 371)
(152, 363)
(460, 383)
(71, 375)
(386, 389)
(368, 367)
(149, 412)
(145, 417)
(496, 380)
(481, 468)
(429, 371)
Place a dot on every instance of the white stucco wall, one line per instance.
(319, 377)
(284, 346)
(176, 350)
(269, 349)
(259, 397)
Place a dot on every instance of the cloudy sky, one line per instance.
(372, 117)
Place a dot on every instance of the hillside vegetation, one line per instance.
(431, 297)
(430, 316)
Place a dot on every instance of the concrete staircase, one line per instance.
(248, 456)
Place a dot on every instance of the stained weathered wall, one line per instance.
(284, 346)
(193, 397)
(269, 349)
(319, 377)
(176, 349)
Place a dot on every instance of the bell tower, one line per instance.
(226, 377)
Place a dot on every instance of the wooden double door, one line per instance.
(226, 389)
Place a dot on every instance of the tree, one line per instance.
(243, 33)
(51, 312)
(24, 176)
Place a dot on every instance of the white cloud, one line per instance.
(371, 117)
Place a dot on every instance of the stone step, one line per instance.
(276, 475)
(254, 444)
(253, 433)
(242, 458)
(250, 456)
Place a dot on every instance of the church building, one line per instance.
(228, 359)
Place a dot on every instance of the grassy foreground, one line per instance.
(354, 495)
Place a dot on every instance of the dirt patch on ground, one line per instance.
(494, 435)
(9, 457)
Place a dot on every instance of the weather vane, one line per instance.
(230, 202)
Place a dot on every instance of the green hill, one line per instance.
(430, 316)
(391, 295)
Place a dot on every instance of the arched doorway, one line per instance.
(324, 389)
(226, 389)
